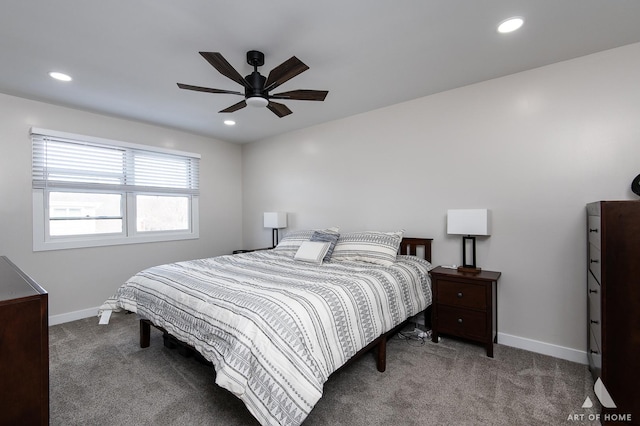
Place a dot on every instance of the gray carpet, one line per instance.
(100, 376)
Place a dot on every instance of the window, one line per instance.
(92, 192)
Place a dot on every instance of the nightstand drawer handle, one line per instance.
(595, 322)
(459, 294)
(594, 261)
(593, 291)
(459, 320)
(593, 230)
(594, 352)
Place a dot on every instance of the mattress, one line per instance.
(275, 328)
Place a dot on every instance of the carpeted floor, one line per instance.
(100, 376)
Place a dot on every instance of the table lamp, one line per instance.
(275, 221)
(469, 223)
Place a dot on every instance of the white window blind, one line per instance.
(90, 192)
(87, 163)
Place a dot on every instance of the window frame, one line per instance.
(42, 240)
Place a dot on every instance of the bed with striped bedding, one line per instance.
(273, 327)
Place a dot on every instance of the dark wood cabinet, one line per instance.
(613, 303)
(24, 348)
(465, 305)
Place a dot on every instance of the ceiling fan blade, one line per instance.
(235, 107)
(280, 110)
(302, 95)
(224, 67)
(207, 89)
(284, 72)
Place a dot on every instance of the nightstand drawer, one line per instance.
(462, 295)
(462, 322)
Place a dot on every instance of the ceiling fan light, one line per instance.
(257, 101)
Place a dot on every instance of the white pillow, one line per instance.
(312, 251)
(368, 246)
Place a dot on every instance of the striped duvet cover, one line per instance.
(276, 328)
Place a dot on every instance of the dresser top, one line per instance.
(14, 284)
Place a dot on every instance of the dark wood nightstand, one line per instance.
(465, 305)
(250, 250)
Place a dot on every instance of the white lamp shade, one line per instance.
(275, 220)
(468, 222)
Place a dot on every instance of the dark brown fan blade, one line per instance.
(207, 89)
(279, 109)
(302, 95)
(224, 67)
(284, 72)
(235, 107)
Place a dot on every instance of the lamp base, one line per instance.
(469, 270)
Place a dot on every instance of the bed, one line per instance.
(277, 323)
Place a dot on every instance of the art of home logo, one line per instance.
(605, 399)
(603, 396)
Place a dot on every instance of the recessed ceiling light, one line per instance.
(229, 122)
(511, 24)
(60, 76)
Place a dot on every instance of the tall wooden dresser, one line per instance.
(613, 285)
(24, 348)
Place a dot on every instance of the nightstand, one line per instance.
(465, 305)
(250, 250)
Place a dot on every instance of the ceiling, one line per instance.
(126, 56)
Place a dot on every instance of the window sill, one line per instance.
(102, 241)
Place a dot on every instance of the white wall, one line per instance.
(80, 279)
(533, 147)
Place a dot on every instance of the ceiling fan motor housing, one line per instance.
(256, 80)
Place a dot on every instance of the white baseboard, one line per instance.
(543, 348)
(73, 316)
(531, 345)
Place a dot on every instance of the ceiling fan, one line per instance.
(256, 86)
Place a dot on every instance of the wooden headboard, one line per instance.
(409, 246)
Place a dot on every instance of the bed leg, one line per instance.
(381, 359)
(145, 333)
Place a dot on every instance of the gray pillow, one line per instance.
(328, 237)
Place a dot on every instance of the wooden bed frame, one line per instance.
(407, 246)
